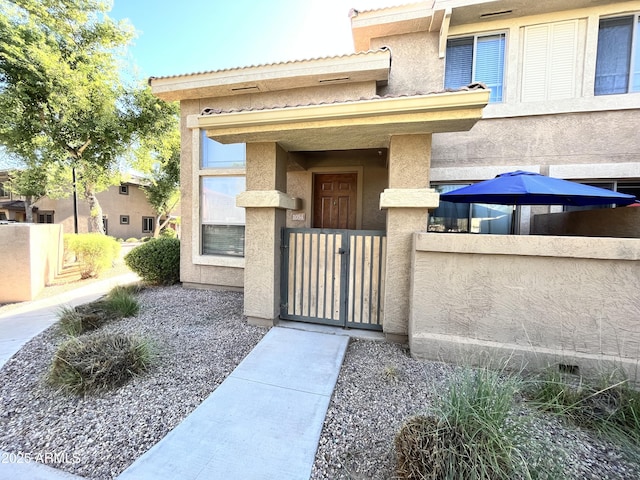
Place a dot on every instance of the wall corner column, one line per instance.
(407, 200)
(265, 203)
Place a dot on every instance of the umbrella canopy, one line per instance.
(528, 188)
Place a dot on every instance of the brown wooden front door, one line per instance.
(334, 200)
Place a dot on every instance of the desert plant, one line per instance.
(94, 252)
(608, 406)
(73, 321)
(157, 261)
(121, 302)
(472, 433)
(98, 361)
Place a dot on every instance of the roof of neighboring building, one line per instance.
(12, 205)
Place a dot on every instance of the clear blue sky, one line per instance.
(175, 37)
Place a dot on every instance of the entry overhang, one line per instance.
(348, 125)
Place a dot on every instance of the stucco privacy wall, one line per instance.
(618, 222)
(527, 301)
(31, 257)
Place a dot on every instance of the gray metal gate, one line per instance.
(333, 277)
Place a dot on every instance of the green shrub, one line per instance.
(168, 233)
(145, 239)
(74, 321)
(98, 361)
(121, 302)
(474, 434)
(608, 406)
(94, 252)
(131, 240)
(157, 261)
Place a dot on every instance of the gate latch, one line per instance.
(342, 251)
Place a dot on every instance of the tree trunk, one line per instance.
(96, 225)
(28, 209)
(160, 225)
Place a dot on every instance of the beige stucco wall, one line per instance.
(621, 222)
(31, 257)
(415, 66)
(530, 301)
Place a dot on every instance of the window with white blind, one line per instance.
(550, 58)
(478, 58)
(618, 57)
(222, 178)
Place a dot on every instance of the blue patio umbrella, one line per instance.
(528, 188)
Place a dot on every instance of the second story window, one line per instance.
(618, 57)
(4, 192)
(478, 58)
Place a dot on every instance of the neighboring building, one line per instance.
(354, 142)
(125, 210)
(11, 206)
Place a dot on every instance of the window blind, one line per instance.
(613, 55)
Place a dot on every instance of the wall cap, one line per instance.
(409, 198)
(267, 199)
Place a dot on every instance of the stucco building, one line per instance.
(125, 210)
(335, 165)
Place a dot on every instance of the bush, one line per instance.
(94, 252)
(473, 434)
(608, 406)
(157, 261)
(131, 240)
(75, 321)
(168, 233)
(121, 303)
(98, 362)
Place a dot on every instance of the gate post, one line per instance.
(265, 205)
(407, 199)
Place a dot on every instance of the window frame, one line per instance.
(633, 68)
(125, 220)
(46, 213)
(199, 172)
(475, 36)
(124, 190)
(148, 219)
(4, 191)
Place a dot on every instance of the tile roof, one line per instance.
(288, 62)
(354, 11)
(218, 111)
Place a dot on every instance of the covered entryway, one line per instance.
(333, 277)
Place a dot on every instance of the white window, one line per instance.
(550, 61)
(478, 58)
(222, 178)
(4, 192)
(124, 219)
(618, 57)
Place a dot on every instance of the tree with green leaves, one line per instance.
(62, 98)
(34, 183)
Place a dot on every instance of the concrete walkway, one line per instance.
(263, 422)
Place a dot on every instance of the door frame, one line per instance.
(337, 170)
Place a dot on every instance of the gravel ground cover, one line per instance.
(200, 337)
